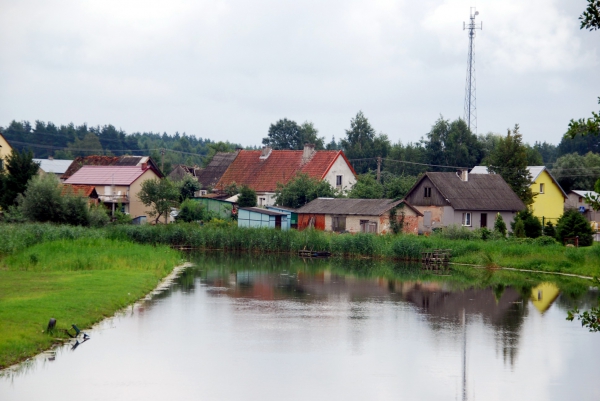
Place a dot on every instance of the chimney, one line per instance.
(309, 150)
(144, 166)
(463, 175)
(265, 153)
(50, 157)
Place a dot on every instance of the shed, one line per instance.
(258, 217)
(357, 215)
(291, 213)
(221, 207)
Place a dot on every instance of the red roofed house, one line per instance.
(261, 170)
(117, 185)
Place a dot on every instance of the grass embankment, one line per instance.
(78, 281)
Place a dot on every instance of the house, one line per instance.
(117, 186)
(85, 191)
(549, 197)
(576, 200)
(5, 151)
(212, 173)
(181, 170)
(357, 215)
(53, 166)
(258, 217)
(121, 161)
(470, 200)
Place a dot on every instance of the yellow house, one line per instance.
(543, 295)
(549, 198)
(5, 150)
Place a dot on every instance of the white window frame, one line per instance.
(542, 188)
(339, 179)
(467, 219)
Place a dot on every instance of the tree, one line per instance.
(500, 225)
(246, 197)
(590, 18)
(361, 142)
(89, 145)
(19, 169)
(589, 319)
(572, 224)
(288, 135)
(188, 186)
(452, 144)
(519, 228)
(406, 159)
(594, 200)
(366, 187)
(302, 189)
(42, 200)
(574, 171)
(160, 195)
(509, 159)
(191, 211)
(397, 186)
(531, 224)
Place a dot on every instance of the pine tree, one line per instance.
(509, 159)
(500, 225)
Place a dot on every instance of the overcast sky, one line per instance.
(227, 69)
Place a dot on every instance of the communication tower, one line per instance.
(470, 97)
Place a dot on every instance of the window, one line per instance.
(262, 201)
(338, 223)
(581, 199)
(427, 192)
(466, 219)
(541, 188)
(338, 181)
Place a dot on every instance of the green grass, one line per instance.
(78, 281)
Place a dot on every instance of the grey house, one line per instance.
(471, 201)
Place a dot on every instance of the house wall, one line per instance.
(304, 220)
(442, 216)
(411, 221)
(108, 190)
(136, 207)
(550, 204)
(417, 196)
(340, 167)
(508, 218)
(264, 199)
(573, 202)
(5, 150)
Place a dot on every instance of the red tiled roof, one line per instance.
(106, 175)
(281, 166)
(81, 190)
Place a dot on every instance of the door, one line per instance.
(427, 219)
(483, 220)
(278, 222)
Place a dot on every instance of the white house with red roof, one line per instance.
(263, 169)
(117, 185)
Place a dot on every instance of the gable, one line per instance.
(417, 197)
(551, 186)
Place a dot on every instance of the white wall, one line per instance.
(340, 167)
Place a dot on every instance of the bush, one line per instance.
(545, 241)
(531, 224)
(572, 224)
(500, 225)
(42, 200)
(190, 211)
(247, 197)
(549, 229)
(98, 216)
(519, 228)
(454, 231)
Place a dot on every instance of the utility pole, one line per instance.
(379, 169)
(162, 160)
(470, 98)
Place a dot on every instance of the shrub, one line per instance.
(189, 211)
(573, 224)
(500, 225)
(531, 224)
(454, 231)
(545, 241)
(549, 229)
(519, 228)
(98, 217)
(246, 197)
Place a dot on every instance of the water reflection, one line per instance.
(270, 328)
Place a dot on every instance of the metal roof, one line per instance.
(585, 193)
(263, 211)
(106, 175)
(56, 166)
(358, 207)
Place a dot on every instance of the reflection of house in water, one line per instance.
(543, 295)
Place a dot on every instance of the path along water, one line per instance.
(248, 328)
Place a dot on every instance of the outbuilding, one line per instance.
(258, 217)
(358, 215)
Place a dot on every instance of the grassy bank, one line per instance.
(77, 281)
(539, 254)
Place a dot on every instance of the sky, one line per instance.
(227, 69)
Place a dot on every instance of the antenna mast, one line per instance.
(470, 98)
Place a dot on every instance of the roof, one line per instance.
(358, 207)
(534, 171)
(480, 192)
(180, 170)
(110, 161)
(585, 193)
(213, 172)
(106, 175)
(82, 190)
(56, 166)
(263, 211)
(263, 174)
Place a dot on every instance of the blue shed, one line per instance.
(292, 216)
(258, 217)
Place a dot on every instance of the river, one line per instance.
(267, 328)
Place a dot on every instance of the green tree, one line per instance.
(572, 224)
(406, 159)
(576, 172)
(366, 187)
(509, 159)
(19, 169)
(89, 145)
(288, 135)
(452, 144)
(160, 195)
(190, 211)
(531, 224)
(188, 186)
(519, 228)
(246, 197)
(590, 18)
(594, 200)
(42, 200)
(302, 189)
(500, 225)
(397, 186)
(363, 143)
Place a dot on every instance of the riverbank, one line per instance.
(541, 254)
(76, 281)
